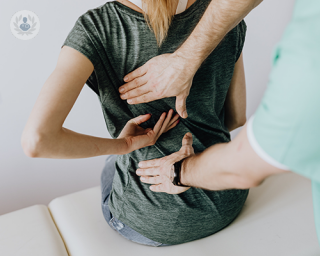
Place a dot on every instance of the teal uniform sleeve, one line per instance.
(286, 125)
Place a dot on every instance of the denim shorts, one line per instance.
(123, 229)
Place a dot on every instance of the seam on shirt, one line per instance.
(84, 30)
(95, 47)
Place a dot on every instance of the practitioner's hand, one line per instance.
(136, 137)
(158, 171)
(163, 76)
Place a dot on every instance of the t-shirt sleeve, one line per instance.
(241, 30)
(79, 38)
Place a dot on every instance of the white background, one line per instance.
(26, 65)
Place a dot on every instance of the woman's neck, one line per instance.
(138, 9)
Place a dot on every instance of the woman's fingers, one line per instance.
(171, 126)
(147, 130)
(165, 123)
(175, 118)
(158, 125)
(140, 119)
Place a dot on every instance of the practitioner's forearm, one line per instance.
(220, 17)
(68, 144)
(231, 165)
(206, 170)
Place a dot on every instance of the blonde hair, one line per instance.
(159, 14)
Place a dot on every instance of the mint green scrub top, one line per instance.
(285, 130)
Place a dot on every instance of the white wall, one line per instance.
(25, 66)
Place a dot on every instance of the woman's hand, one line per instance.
(135, 137)
(159, 171)
(166, 75)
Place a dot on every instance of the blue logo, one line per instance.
(25, 28)
(25, 25)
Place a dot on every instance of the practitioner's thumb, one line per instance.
(187, 139)
(181, 105)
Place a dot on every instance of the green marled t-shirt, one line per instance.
(117, 40)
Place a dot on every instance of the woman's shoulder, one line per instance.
(98, 14)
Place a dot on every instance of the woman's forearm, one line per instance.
(67, 144)
(220, 17)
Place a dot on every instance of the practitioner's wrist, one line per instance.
(183, 171)
(176, 174)
(190, 63)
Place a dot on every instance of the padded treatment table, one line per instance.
(276, 220)
(30, 232)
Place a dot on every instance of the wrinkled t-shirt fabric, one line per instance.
(117, 40)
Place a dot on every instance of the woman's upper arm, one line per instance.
(58, 93)
(235, 103)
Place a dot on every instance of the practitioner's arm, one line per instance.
(227, 165)
(232, 165)
(235, 104)
(172, 74)
(45, 137)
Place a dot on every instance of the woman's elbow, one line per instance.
(242, 121)
(236, 123)
(30, 142)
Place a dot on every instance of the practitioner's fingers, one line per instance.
(150, 96)
(158, 188)
(187, 139)
(136, 73)
(168, 188)
(181, 107)
(151, 179)
(134, 90)
(153, 171)
(153, 162)
(187, 148)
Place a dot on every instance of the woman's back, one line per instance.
(117, 40)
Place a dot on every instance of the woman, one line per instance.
(105, 44)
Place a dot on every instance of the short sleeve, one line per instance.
(79, 39)
(241, 32)
(286, 124)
